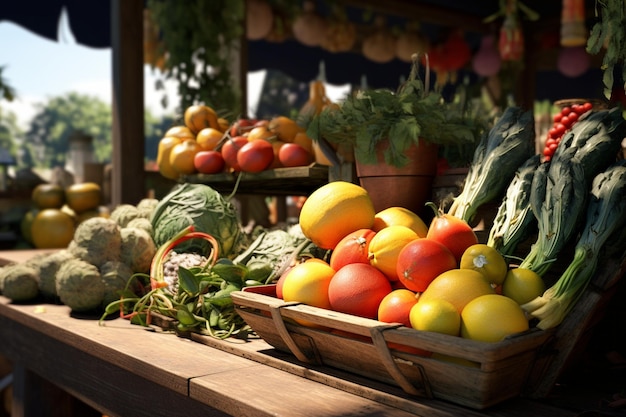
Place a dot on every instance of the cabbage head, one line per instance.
(204, 208)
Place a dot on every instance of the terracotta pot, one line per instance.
(409, 187)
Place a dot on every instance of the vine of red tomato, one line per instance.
(563, 122)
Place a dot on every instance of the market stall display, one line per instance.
(186, 264)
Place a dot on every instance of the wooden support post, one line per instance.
(128, 173)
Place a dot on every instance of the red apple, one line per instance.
(209, 162)
(353, 248)
(294, 155)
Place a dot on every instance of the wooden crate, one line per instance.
(469, 373)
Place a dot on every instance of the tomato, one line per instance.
(454, 233)
(229, 151)
(294, 155)
(209, 162)
(241, 126)
(255, 156)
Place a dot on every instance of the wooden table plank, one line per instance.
(122, 369)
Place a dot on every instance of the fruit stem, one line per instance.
(435, 209)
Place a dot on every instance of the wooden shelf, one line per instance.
(279, 181)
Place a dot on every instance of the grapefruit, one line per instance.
(421, 261)
(400, 216)
(458, 286)
(358, 289)
(353, 248)
(491, 318)
(333, 211)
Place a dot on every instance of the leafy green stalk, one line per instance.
(606, 214)
(497, 157)
(561, 210)
(559, 205)
(514, 219)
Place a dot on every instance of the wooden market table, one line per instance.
(121, 369)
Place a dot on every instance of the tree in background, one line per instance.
(58, 118)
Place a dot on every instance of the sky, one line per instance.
(38, 69)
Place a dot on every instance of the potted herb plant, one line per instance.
(397, 133)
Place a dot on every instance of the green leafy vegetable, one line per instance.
(498, 155)
(200, 206)
(561, 187)
(514, 219)
(606, 214)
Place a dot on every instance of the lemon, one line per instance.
(486, 260)
(333, 211)
(435, 315)
(523, 285)
(458, 286)
(492, 317)
(400, 216)
(308, 283)
(385, 248)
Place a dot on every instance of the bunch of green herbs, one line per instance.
(398, 119)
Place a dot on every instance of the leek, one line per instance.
(606, 213)
(514, 219)
(498, 155)
(561, 187)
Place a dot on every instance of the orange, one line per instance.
(48, 196)
(303, 140)
(284, 128)
(358, 289)
(182, 132)
(307, 283)
(52, 228)
(182, 157)
(491, 318)
(166, 144)
(199, 116)
(486, 260)
(260, 132)
(385, 248)
(396, 306)
(223, 123)
(400, 216)
(208, 138)
(84, 196)
(458, 286)
(333, 211)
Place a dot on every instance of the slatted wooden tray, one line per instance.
(469, 373)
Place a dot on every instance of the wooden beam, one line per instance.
(128, 173)
(427, 13)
